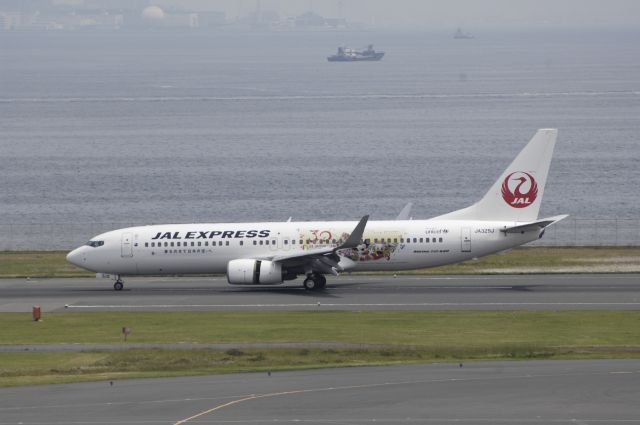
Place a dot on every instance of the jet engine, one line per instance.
(254, 272)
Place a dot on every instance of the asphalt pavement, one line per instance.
(516, 392)
(486, 292)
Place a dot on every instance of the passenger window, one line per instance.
(440, 240)
(199, 243)
(433, 240)
(146, 244)
(420, 240)
(171, 243)
(193, 243)
(301, 242)
(286, 242)
(241, 243)
(426, 240)
(206, 243)
(226, 243)
(261, 242)
(255, 242)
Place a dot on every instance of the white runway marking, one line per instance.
(395, 384)
(321, 304)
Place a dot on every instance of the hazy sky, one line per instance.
(437, 14)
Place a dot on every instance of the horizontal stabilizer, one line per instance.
(536, 225)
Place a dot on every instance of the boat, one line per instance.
(346, 54)
(459, 34)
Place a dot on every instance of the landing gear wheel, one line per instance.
(118, 285)
(322, 281)
(314, 282)
(310, 284)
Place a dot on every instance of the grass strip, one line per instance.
(448, 328)
(525, 260)
(38, 264)
(54, 368)
(399, 336)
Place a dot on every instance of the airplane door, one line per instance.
(127, 246)
(465, 239)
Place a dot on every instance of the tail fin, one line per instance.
(517, 194)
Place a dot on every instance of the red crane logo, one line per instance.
(524, 193)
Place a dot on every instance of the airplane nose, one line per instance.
(75, 257)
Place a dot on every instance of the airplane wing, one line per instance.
(536, 225)
(325, 259)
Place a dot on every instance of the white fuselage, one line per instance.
(207, 248)
(270, 253)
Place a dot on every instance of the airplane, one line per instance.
(271, 253)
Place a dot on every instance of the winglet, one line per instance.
(356, 236)
(405, 214)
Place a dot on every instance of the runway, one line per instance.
(523, 392)
(499, 292)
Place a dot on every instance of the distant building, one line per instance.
(310, 19)
(313, 20)
(181, 20)
(155, 17)
(211, 19)
(84, 19)
(10, 20)
(336, 22)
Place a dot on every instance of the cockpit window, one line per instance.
(95, 244)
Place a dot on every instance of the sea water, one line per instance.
(105, 130)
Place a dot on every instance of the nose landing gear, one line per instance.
(118, 285)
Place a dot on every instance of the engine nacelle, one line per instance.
(254, 272)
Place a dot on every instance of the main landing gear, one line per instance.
(119, 284)
(314, 281)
